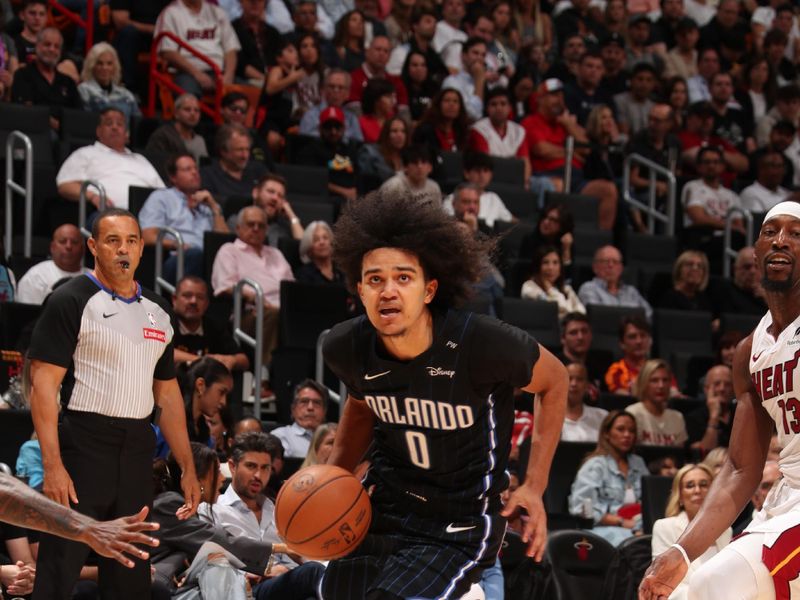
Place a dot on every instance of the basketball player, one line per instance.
(430, 387)
(765, 562)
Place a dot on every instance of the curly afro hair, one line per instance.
(447, 251)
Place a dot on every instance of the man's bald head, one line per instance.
(66, 248)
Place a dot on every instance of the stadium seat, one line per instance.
(310, 182)
(16, 427)
(587, 243)
(307, 309)
(566, 461)
(614, 401)
(14, 317)
(137, 196)
(509, 171)
(212, 241)
(450, 171)
(685, 405)
(656, 252)
(290, 248)
(538, 317)
(651, 453)
(314, 211)
(740, 322)
(77, 129)
(518, 200)
(579, 560)
(510, 239)
(681, 335)
(19, 264)
(655, 493)
(583, 208)
(605, 321)
(634, 556)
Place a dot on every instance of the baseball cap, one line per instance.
(640, 18)
(548, 86)
(611, 39)
(686, 24)
(702, 108)
(331, 113)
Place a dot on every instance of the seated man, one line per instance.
(470, 80)
(245, 511)
(234, 109)
(335, 89)
(607, 287)
(710, 424)
(66, 252)
(745, 293)
(235, 172)
(180, 135)
(766, 191)
(309, 406)
(250, 257)
(478, 169)
(282, 222)
(206, 27)
(581, 422)
(547, 131)
(635, 340)
(196, 334)
(186, 208)
(331, 151)
(576, 341)
(41, 84)
(414, 181)
(376, 58)
(107, 162)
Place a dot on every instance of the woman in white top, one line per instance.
(689, 489)
(547, 282)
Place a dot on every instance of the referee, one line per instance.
(107, 344)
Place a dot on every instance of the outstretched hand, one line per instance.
(114, 539)
(663, 575)
(535, 531)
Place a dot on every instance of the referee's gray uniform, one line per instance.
(113, 348)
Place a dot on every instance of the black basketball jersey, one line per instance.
(443, 419)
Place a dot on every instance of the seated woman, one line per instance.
(419, 83)
(547, 282)
(316, 253)
(554, 228)
(348, 42)
(181, 539)
(100, 86)
(205, 387)
(608, 485)
(444, 127)
(689, 283)
(657, 424)
(689, 490)
(280, 95)
(321, 445)
(309, 87)
(378, 105)
(382, 160)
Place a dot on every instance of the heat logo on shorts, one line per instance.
(154, 334)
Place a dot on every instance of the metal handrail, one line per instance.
(82, 203)
(157, 77)
(256, 343)
(160, 282)
(319, 372)
(727, 251)
(569, 152)
(77, 19)
(27, 191)
(653, 214)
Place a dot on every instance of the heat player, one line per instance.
(765, 562)
(430, 388)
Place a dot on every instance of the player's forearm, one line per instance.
(354, 434)
(44, 412)
(547, 423)
(22, 506)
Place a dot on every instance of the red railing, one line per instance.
(159, 77)
(74, 17)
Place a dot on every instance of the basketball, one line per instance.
(322, 512)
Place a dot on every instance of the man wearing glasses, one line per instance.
(607, 287)
(308, 412)
(334, 93)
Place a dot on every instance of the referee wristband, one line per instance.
(683, 553)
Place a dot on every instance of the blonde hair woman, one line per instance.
(657, 424)
(100, 86)
(689, 283)
(689, 489)
(321, 445)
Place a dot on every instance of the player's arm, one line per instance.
(354, 434)
(23, 506)
(173, 425)
(732, 488)
(549, 382)
(45, 382)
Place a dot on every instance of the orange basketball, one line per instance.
(322, 512)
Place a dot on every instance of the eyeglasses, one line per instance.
(608, 261)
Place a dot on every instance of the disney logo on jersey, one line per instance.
(440, 372)
(419, 412)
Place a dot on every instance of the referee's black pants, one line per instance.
(110, 463)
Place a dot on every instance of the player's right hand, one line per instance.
(58, 486)
(663, 575)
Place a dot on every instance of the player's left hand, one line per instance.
(535, 532)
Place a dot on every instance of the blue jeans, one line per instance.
(493, 583)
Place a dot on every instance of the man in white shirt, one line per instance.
(308, 412)
(449, 36)
(244, 511)
(496, 134)
(208, 30)
(470, 81)
(766, 191)
(478, 170)
(581, 422)
(705, 200)
(66, 252)
(415, 178)
(107, 162)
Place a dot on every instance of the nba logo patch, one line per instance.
(152, 318)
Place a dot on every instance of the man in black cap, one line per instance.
(681, 61)
(662, 36)
(639, 51)
(612, 51)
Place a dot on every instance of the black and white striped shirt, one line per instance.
(112, 347)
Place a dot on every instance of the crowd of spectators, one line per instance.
(391, 94)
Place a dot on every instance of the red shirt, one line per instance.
(370, 128)
(537, 129)
(359, 81)
(691, 140)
